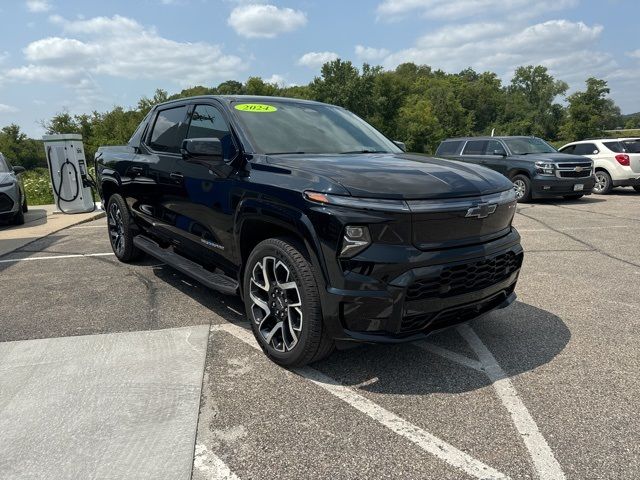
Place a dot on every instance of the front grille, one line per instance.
(6, 204)
(465, 278)
(574, 165)
(574, 174)
(435, 321)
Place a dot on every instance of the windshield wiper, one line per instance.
(364, 150)
(286, 153)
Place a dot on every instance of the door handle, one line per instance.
(176, 175)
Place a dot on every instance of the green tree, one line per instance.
(590, 112)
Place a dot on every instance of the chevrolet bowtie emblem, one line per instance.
(482, 210)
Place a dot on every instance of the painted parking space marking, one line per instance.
(544, 462)
(57, 257)
(210, 465)
(423, 439)
(88, 226)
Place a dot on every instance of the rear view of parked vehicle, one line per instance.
(536, 169)
(616, 162)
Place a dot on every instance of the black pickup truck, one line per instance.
(329, 231)
(536, 169)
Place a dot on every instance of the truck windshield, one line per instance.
(280, 127)
(529, 145)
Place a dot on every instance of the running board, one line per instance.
(215, 281)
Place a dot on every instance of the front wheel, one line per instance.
(121, 230)
(603, 183)
(18, 218)
(283, 305)
(522, 186)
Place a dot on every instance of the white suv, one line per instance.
(616, 161)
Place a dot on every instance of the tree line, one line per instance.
(413, 103)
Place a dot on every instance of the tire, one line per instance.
(299, 337)
(603, 185)
(522, 185)
(18, 218)
(25, 207)
(121, 230)
(637, 188)
(574, 197)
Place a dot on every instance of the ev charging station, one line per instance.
(70, 179)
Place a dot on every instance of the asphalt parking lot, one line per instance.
(547, 388)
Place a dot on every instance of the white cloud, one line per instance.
(265, 21)
(447, 9)
(277, 79)
(316, 59)
(38, 6)
(567, 48)
(4, 108)
(370, 54)
(634, 54)
(120, 47)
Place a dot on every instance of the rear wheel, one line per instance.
(603, 183)
(522, 186)
(121, 230)
(283, 304)
(574, 197)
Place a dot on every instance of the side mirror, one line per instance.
(207, 149)
(501, 153)
(18, 169)
(400, 144)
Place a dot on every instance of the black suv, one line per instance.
(536, 169)
(329, 231)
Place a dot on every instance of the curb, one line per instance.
(96, 216)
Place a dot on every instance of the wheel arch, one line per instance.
(256, 222)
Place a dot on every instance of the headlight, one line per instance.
(378, 204)
(355, 239)
(545, 168)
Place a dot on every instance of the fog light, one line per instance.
(354, 241)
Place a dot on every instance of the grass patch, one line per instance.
(37, 185)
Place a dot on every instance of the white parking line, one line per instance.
(210, 465)
(88, 226)
(423, 439)
(544, 461)
(56, 257)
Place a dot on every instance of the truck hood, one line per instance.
(551, 157)
(401, 176)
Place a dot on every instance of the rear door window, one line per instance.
(449, 148)
(475, 147)
(586, 149)
(169, 129)
(616, 147)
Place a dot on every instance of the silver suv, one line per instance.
(13, 200)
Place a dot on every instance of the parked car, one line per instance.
(616, 161)
(329, 231)
(536, 169)
(13, 199)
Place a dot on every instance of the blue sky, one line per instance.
(85, 55)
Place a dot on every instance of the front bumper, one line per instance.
(548, 186)
(9, 200)
(444, 289)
